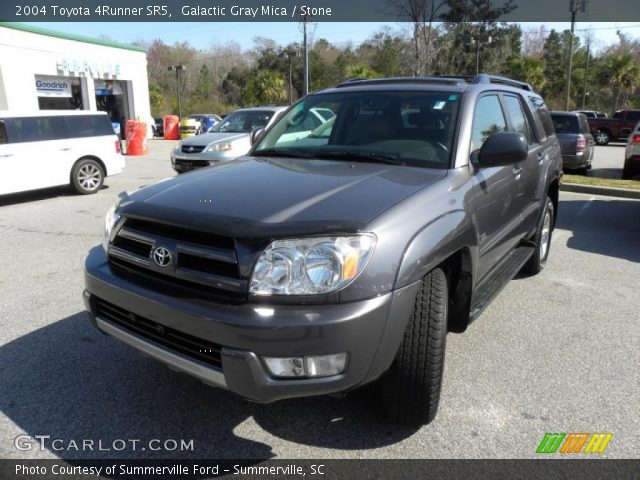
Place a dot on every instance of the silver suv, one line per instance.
(333, 257)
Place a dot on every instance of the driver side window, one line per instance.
(488, 119)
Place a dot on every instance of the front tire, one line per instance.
(410, 389)
(87, 176)
(542, 239)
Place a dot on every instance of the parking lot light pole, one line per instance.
(574, 7)
(178, 69)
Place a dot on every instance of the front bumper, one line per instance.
(185, 162)
(370, 331)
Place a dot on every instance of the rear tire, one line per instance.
(87, 176)
(542, 238)
(602, 138)
(410, 389)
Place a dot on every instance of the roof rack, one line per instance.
(382, 81)
(482, 78)
(485, 78)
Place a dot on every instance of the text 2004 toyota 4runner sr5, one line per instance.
(337, 255)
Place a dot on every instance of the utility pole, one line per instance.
(178, 69)
(586, 72)
(574, 6)
(306, 56)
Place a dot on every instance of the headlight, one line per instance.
(219, 147)
(110, 220)
(310, 266)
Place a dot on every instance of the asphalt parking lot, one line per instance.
(553, 353)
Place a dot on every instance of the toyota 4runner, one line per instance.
(334, 256)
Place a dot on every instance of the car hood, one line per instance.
(207, 138)
(257, 198)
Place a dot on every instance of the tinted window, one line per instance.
(487, 120)
(517, 116)
(584, 124)
(244, 122)
(411, 127)
(88, 125)
(633, 116)
(566, 123)
(34, 129)
(3, 133)
(542, 112)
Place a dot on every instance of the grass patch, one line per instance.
(601, 182)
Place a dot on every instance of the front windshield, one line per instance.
(404, 127)
(244, 121)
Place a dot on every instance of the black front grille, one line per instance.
(192, 148)
(169, 285)
(181, 234)
(202, 262)
(188, 345)
(193, 163)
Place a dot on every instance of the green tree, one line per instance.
(360, 71)
(156, 100)
(623, 74)
(528, 69)
(265, 87)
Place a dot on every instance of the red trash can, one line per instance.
(136, 134)
(171, 127)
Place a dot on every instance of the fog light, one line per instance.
(285, 367)
(317, 366)
(326, 365)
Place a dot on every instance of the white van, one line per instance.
(50, 148)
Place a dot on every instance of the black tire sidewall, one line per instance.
(409, 398)
(536, 263)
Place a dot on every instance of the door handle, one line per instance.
(65, 149)
(541, 158)
(516, 172)
(6, 155)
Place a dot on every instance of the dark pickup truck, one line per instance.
(617, 128)
(326, 260)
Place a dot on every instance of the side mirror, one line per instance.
(256, 133)
(503, 148)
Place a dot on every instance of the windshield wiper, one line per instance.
(278, 152)
(362, 157)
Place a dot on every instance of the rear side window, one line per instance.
(487, 120)
(542, 112)
(584, 124)
(34, 129)
(88, 126)
(633, 116)
(518, 118)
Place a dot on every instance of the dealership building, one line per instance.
(42, 69)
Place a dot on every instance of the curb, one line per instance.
(597, 190)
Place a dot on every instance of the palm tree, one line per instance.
(360, 70)
(623, 73)
(269, 87)
(528, 69)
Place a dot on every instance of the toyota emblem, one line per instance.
(161, 256)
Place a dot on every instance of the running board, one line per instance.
(504, 273)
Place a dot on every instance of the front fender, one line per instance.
(436, 242)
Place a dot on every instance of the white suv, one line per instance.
(51, 148)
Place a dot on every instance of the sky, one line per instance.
(203, 35)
